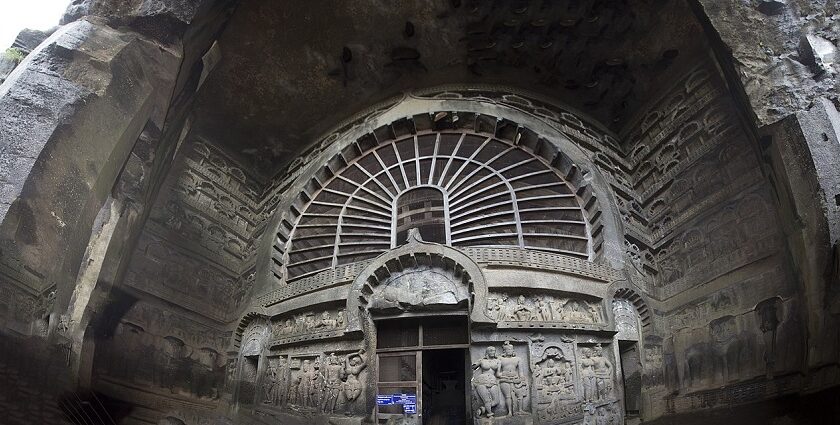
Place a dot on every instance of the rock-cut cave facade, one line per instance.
(422, 212)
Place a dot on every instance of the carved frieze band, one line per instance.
(498, 257)
(545, 311)
(317, 282)
(307, 326)
(531, 259)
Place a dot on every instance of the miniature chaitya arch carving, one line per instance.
(460, 275)
(499, 187)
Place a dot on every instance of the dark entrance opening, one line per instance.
(444, 382)
(248, 380)
(426, 358)
(631, 370)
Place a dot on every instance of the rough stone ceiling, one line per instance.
(288, 73)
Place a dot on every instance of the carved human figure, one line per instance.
(333, 371)
(511, 382)
(594, 312)
(577, 311)
(316, 389)
(545, 310)
(602, 368)
(282, 392)
(304, 383)
(270, 384)
(340, 319)
(587, 375)
(231, 373)
(559, 311)
(308, 323)
(354, 365)
(294, 390)
(494, 307)
(326, 321)
(522, 312)
(556, 377)
(485, 384)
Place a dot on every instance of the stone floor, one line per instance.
(821, 408)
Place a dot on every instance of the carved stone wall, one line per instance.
(545, 379)
(714, 244)
(155, 352)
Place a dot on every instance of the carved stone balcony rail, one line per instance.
(491, 257)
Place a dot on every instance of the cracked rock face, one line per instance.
(25, 42)
(784, 51)
(161, 19)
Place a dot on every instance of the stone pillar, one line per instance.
(70, 115)
(805, 150)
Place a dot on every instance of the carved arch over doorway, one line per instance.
(638, 302)
(416, 254)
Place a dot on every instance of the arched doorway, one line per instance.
(419, 301)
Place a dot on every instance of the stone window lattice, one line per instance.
(469, 189)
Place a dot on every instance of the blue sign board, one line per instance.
(384, 400)
(409, 401)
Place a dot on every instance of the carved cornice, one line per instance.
(489, 257)
(540, 260)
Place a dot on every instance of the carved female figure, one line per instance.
(587, 375)
(484, 382)
(270, 385)
(355, 363)
(545, 310)
(512, 384)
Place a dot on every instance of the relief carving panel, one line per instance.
(162, 351)
(512, 310)
(500, 383)
(327, 383)
(420, 287)
(308, 325)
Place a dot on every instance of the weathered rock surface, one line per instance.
(161, 19)
(26, 41)
(71, 113)
(782, 50)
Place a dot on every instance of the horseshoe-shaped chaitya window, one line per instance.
(461, 188)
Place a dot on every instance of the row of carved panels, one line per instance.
(742, 230)
(556, 378)
(308, 382)
(164, 270)
(509, 310)
(155, 348)
(553, 377)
